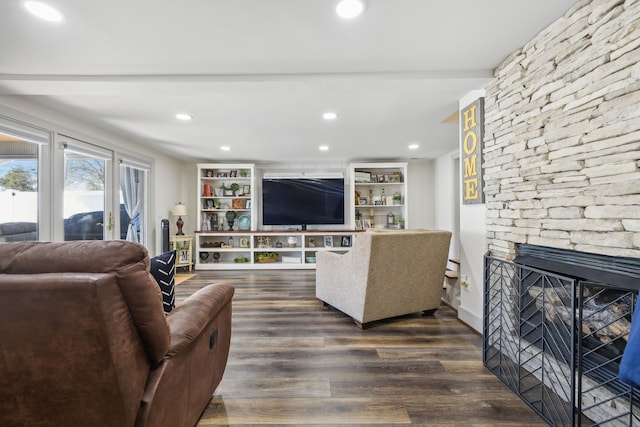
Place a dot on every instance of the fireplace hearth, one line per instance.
(555, 328)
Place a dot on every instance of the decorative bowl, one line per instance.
(244, 222)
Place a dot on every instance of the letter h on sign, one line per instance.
(472, 125)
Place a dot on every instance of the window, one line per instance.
(21, 151)
(73, 192)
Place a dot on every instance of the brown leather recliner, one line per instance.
(84, 340)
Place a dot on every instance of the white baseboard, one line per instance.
(475, 322)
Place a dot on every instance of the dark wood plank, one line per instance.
(295, 362)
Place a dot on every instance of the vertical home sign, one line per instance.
(472, 126)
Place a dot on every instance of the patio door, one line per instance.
(88, 207)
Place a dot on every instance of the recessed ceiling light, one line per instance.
(330, 115)
(414, 147)
(349, 9)
(323, 148)
(43, 11)
(183, 116)
(225, 148)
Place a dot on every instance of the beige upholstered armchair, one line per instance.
(386, 273)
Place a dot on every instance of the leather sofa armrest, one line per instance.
(188, 319)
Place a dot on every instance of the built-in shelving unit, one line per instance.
(267, 250)
(378, 199)
(379, 195)
(225, 196)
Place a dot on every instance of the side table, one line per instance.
(183, 246)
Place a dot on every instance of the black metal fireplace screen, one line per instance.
(557, 341)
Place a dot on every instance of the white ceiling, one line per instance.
(257, 74)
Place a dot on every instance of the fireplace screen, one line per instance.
(557, 341)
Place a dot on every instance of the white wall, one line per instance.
(446, 215)
(189, 190)
(420, 186)
(472, 248)
(165, 179)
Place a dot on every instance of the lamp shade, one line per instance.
(179, 210)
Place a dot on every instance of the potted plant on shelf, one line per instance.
(243, 173)
(400, 222)
(235, 187)
(397, 198)
(266, 257)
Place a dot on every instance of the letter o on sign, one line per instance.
(474, 141)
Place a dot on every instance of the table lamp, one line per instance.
(179, 210)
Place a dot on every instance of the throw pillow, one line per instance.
(163, 268)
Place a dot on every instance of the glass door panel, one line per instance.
(19, 166)
(87, 211)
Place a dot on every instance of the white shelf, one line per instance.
(302, 249)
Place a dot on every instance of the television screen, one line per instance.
(302, 201)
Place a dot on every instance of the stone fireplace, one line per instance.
(561, 164)
(562, 136)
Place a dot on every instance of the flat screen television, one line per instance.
(302, 201)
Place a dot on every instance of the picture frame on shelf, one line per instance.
(208, 173)
(209, 203)
(328, 241)
(227, 192)
(222, 174)
(244, 242)
(394, 177)
(362, 177)
(366, 224)
(359, 224)
(247, 205)
(380, 178)
(238, 203)
(363, 201)
(346, 241)
(233, 174)
(246, 190)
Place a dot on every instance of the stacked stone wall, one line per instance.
(562, 136)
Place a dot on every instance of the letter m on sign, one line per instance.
(471, 141)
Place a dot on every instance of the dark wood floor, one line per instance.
(295, 362)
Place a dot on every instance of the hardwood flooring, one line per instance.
(294, 362)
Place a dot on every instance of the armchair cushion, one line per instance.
(163, 269)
